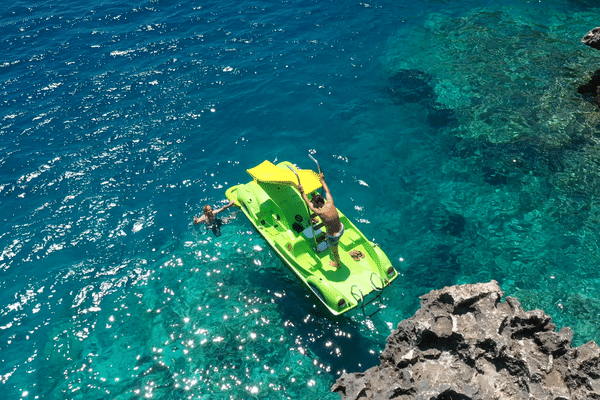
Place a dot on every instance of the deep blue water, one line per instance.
(451, 131)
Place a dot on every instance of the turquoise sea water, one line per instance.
(451, 131)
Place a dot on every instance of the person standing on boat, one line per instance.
(329, 216)
(209, 218)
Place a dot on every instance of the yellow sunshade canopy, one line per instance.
(270, 173)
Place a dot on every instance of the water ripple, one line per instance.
(119, 122)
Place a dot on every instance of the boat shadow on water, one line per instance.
(345, 342)
(339, 343)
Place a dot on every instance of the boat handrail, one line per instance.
(308, 210)
(361, 299)
(379, 289)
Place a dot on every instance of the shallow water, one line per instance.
(451, 132)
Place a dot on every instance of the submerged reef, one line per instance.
(465, 343)
(416, 87)
(480, 67)
(503, 183)
(591, 89)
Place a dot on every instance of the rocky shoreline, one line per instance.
(465, 343)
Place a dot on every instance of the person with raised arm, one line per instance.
(330, 217)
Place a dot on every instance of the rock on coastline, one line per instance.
(592, 38)
(464, 343)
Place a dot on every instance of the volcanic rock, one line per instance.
(465, 343)
(592, 38)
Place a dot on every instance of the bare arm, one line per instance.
(223, 208)
(305, 197)
(327, 192)
(199, 220)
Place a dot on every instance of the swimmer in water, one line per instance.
(209, 215)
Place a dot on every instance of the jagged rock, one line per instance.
(465, 344)
(592, 38)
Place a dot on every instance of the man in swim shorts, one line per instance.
(334, 240)
(329, 216)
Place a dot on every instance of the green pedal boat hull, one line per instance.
(275, 207)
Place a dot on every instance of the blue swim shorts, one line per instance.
(333, 240)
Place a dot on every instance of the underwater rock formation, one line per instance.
(591, 90)
(464, 343)
(592, 38)
(412, 86)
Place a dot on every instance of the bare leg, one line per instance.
(336, 256)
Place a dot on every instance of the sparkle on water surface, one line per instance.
(451, 132)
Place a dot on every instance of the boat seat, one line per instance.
(322, 246)
(308, 232)
(268, 206)
(266, 215)
(321, 236)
